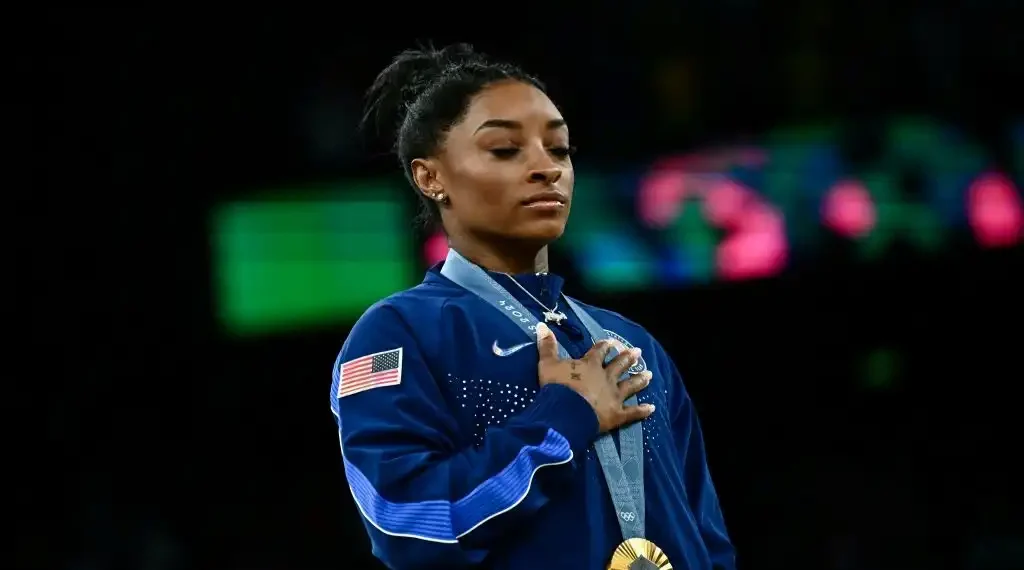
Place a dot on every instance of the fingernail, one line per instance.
(636, 352)
(543, 330)
(648, 375)
(650, 407)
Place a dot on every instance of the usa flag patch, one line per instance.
(370, 371)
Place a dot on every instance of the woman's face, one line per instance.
(505, 167)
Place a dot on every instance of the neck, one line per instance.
(503, 258)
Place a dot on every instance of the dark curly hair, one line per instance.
(422, 93)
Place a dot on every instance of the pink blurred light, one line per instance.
(849, 210)
(436, 248)
(724, 203)
(660, 198)
(994, 211)
(663, 191)
(757, 248)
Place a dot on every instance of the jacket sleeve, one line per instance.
(699, 487)
(428, 498)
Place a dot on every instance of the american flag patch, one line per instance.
(371, 371)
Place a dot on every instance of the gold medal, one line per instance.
(639, 554)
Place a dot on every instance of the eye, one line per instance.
(563, 151)
(504, 153)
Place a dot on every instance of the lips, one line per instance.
(547, 196)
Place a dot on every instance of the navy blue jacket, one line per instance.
(456, 458)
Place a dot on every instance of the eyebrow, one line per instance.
(507, 124)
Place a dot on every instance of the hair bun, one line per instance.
(410, 74)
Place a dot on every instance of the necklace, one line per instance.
(550, 315)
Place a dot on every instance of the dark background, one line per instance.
(174, 445)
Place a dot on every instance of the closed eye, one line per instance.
(563, 151)
(504, 153)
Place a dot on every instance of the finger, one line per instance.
(618, 347)
(632, 414)
(635, 383)
(547, 347)
(623, 362)
(599, 351)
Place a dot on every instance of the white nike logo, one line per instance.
(508, 351)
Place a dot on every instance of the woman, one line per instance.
(487, 420)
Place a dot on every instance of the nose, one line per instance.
(545, 175)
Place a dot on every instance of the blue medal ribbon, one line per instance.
(624, 469)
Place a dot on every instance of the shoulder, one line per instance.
(406, 308)
(409, 319)
(394, 328)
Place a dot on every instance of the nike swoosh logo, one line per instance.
(498, 351)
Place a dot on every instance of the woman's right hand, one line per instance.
(597, 383)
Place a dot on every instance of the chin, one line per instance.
(541, 231)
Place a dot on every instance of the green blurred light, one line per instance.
(282, 264)
(696, 240)
(617, 262)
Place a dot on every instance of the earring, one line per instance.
(441, 197)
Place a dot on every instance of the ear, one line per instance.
(425, 174)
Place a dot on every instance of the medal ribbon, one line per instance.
(623, 472)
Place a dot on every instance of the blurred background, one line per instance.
(815, 205)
